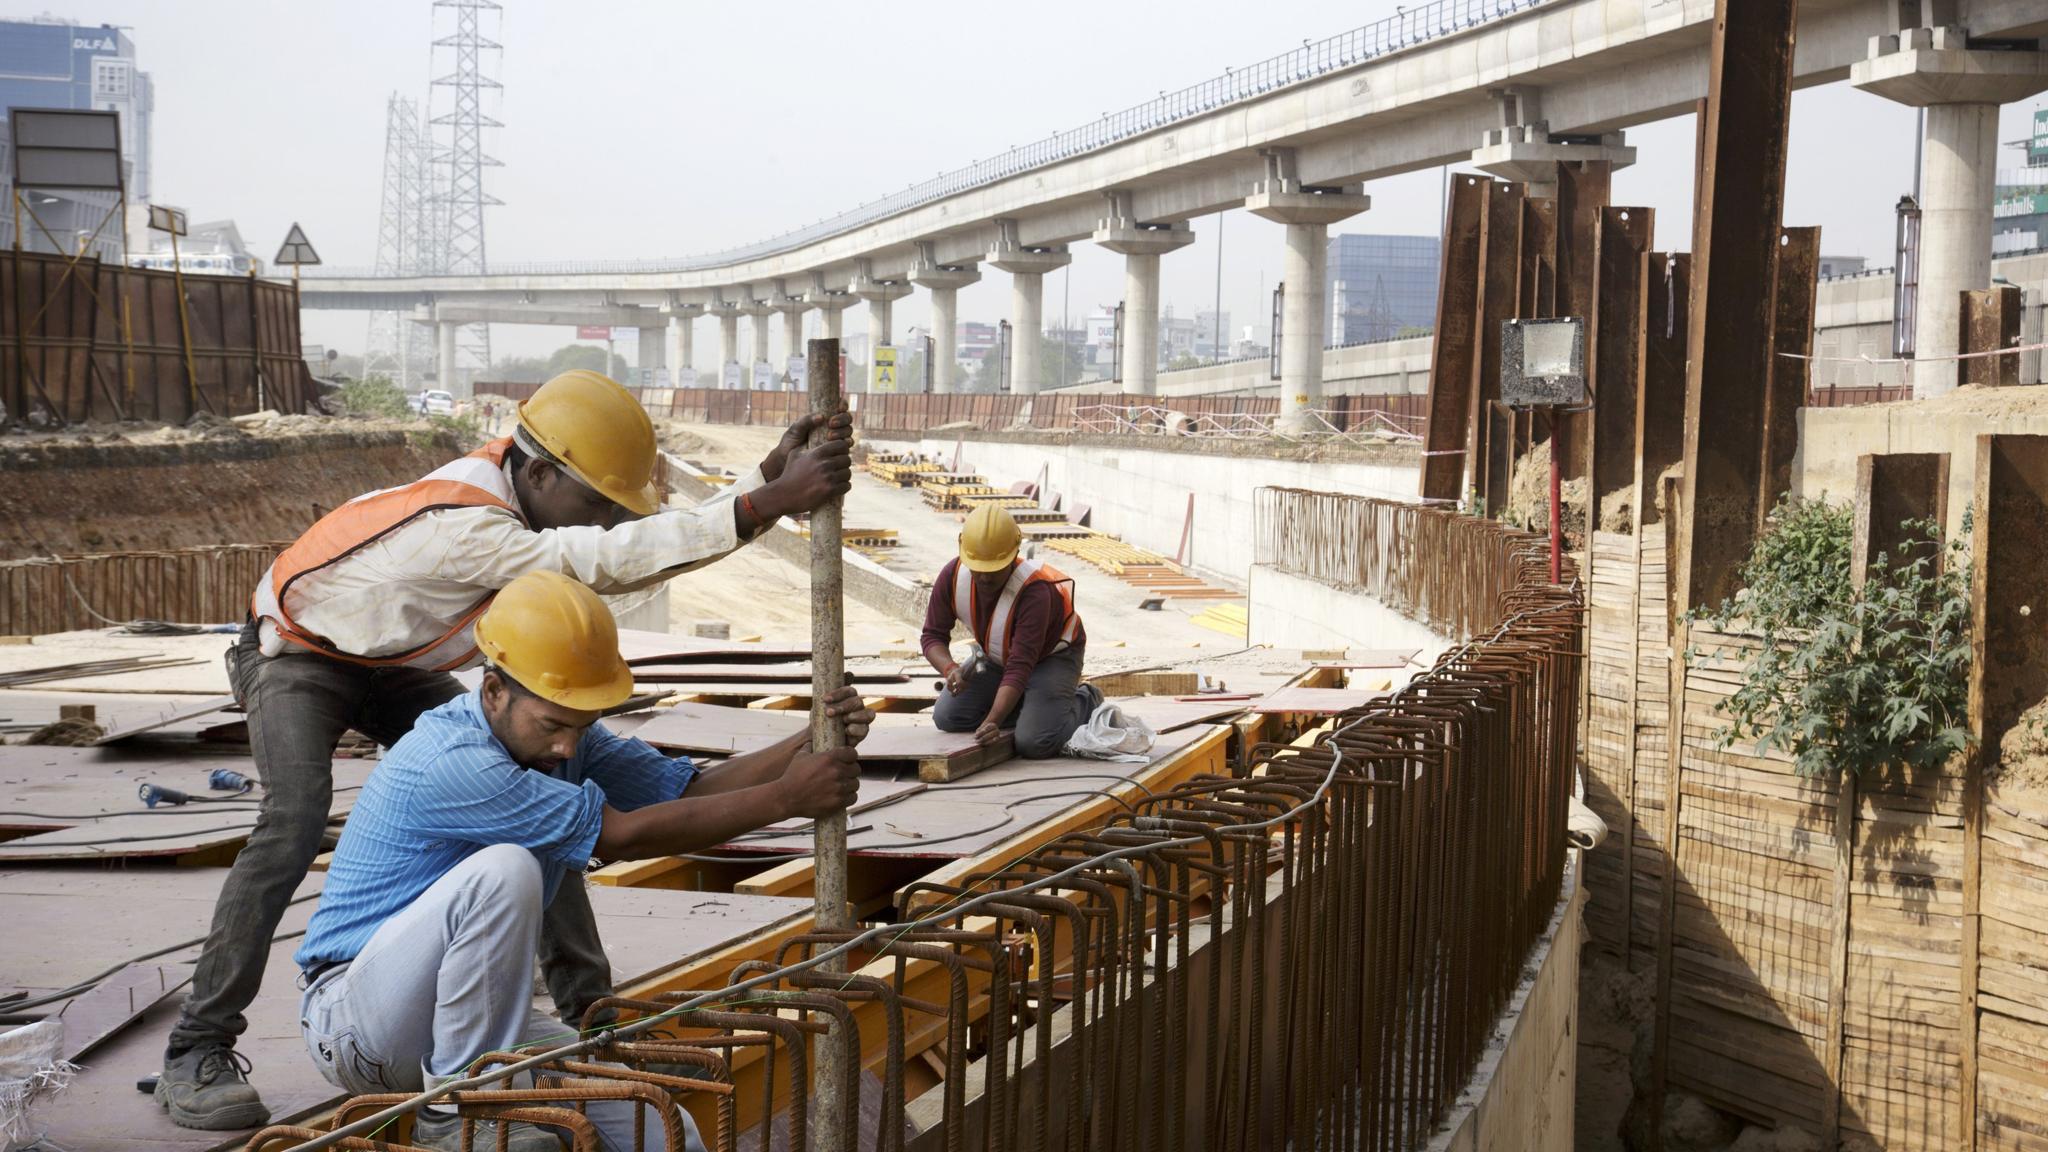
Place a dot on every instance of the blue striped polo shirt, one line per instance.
(449, 789)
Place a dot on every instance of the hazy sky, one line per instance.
(637, 128)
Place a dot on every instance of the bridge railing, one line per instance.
(1417, 24)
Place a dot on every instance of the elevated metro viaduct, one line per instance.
(1515, 87)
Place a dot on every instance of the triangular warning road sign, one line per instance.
(296, 250)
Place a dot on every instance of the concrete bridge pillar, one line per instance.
(1308, 213)
(1140, 245)
(728, 341)
(757, 328)
(1961, 89)
(444, 359)
(651, 352)
(881, 296)
(830, 303)
(1027, 266)
(944, 282)
(682, 342)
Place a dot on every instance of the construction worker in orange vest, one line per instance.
(1025, 670)
(359, 623)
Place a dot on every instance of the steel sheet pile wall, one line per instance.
(1444, 569)
(107, 343)
(204, 585)
(1310, 952)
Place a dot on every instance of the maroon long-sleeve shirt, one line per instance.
(1036, 633)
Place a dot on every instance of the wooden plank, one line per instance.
(93, 1016)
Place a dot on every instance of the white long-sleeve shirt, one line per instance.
(408, 587)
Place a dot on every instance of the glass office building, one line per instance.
(1376, 285)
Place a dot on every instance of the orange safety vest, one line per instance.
(476, 480)
(1002, 623)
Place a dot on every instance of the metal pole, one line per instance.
(828, 672)
(1556, 511)
(185, 331)
(1066, 318)
(1216, 317)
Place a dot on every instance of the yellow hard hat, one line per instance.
(989, 539)
(594, 426)
(558, 640)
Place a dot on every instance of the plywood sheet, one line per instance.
(169, 715)
(1317, 700)
(1166, 714)
(80, 920)
(81, 803)
(953, 821)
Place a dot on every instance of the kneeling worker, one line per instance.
(420, 957)
(1021, 613)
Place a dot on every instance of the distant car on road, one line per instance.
(434, 402)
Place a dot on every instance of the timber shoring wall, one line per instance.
(209, 584)
(83, 341)
(1815, 932)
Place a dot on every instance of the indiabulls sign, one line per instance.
(593, 332)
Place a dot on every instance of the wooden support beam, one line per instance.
(1451, 363)
(1798, 279)
(1742, 195)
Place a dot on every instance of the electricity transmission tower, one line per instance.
(458, 156)
(397, 348)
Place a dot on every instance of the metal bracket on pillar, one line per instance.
(1523, 149)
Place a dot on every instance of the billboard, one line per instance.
(593, 332)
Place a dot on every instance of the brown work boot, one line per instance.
(207, 1087)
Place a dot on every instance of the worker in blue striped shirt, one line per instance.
(420, 957)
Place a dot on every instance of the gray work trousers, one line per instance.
(1052, 708)
(299, 704)
(441, 983)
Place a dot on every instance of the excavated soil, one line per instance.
(2023, 758)
(1529, 499)
(253, 480)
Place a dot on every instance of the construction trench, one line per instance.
(1336, 906)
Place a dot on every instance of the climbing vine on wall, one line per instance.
(1848, 679)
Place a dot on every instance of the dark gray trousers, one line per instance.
(299, 704)
(1050, 711)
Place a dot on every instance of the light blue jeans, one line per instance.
(443, 982)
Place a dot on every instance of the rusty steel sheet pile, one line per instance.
(1311, 951)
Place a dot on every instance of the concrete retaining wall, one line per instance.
(1141, 492)
(1520, 1098)
(1289, 611)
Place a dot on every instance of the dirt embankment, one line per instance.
(214, 482)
